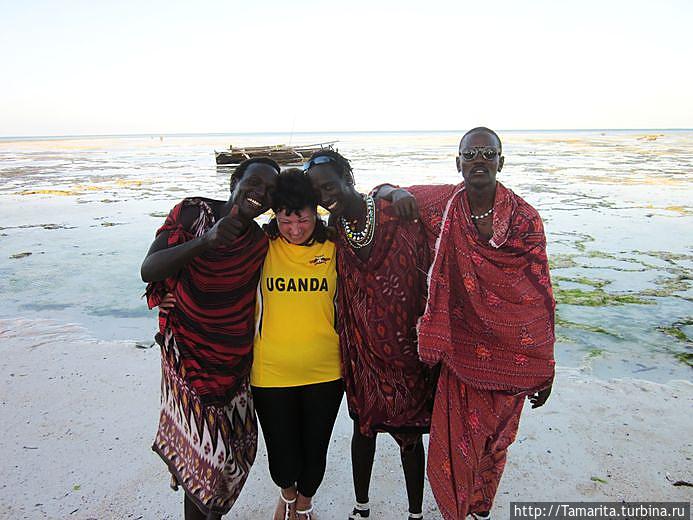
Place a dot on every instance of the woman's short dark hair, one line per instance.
(239, 172)
(293, 193)
(339, 162)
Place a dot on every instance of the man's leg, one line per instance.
(362, 455)
(414, 465)
(192, 512)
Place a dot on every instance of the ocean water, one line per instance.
(77, 216)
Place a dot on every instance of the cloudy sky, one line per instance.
(113, 67)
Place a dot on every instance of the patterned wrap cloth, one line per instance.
(489, 322)
(379, 303)
(207, 431)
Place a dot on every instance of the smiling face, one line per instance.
(334, 191)
(480, 171)
(297, 228)
(253, 192)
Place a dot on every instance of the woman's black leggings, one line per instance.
(297, 425)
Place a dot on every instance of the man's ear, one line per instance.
(501, 162)
(457, 163)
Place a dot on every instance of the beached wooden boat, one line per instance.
(283, 154)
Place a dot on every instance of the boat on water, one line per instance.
(284, 155)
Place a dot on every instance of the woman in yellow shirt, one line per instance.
(295, 378)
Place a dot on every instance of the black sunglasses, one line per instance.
(321, 159)
(487, 152)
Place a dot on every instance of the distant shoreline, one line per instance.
(319, 132)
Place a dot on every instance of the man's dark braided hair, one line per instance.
(293, 193)
(488, 131)
(341, 163)
(237, 175)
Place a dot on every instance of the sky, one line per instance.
(123, 67)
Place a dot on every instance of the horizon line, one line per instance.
(307, 132)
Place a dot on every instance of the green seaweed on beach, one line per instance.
(668, 286)
(602, 254)
(583, 326)
(681, 210)
(592, 282)
(77, 189)
(627, 259)
(580, 244)
(562, 338)
(674, 332)
(667, 256)
(20, 255)
(158, 214)
(561, 261)
(595, 353)
(599, 479)
(595, 298)
(685, 357)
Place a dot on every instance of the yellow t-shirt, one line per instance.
(295, 340)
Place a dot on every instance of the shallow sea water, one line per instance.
(616, 205)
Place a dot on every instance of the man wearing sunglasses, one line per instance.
(489, 321)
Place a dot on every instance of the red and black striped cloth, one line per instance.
(213, 319)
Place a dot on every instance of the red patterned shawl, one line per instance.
(213, 320)
(490, 310)
(379, 303)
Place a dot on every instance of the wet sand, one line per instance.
(79, 415)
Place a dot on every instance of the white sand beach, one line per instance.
(78, 417)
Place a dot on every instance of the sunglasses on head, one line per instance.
(321, 159)
(487, 152)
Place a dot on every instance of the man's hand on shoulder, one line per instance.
(403, 202)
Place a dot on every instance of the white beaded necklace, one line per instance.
(483, 215)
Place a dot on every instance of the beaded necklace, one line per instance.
(483, 215)
(363, 238)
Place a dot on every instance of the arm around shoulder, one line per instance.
(402, 201)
